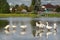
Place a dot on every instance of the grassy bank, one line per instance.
(17, 15)
(30, 15)
(49, 15)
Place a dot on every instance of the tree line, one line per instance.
(5, 8)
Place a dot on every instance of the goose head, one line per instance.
(54, 24)
(40, 22)
(46, 22)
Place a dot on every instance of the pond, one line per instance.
(31, 31)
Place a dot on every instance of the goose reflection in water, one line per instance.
(48, 33)
(23, 31)
(7, 31)
(54, 32)
(13, 31)
(39, 33)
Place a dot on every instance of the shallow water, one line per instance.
(27, 34)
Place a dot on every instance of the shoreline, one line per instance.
(29, 15)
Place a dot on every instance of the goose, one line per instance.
(41, 25)
(13, 26)
(37, 24)
(48, 27)
(55, 26)
(7, 27)
(23, 26)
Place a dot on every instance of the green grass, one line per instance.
(50, 15)
(17, 15)
(29, 15)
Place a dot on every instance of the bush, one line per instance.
(58, 9)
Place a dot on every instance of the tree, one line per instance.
(58, 9)
(30, 9)
(33, 2)
(21, 7)
(4, 6)
(16, 6)
(36, 4)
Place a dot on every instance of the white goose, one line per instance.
(37, 25)
(48, 27)
(14, 27)
(23, 26)
(55, 26)
(7, 27)
(41, 25)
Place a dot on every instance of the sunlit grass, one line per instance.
(29, 15)
(17, 15)
(52, 15)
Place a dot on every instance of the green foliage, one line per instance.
(16, 6)
(21, 7)
(58, 9)
(4, 6)
(52, 15)
(30, 9)
(36, 4)
(33, 2)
